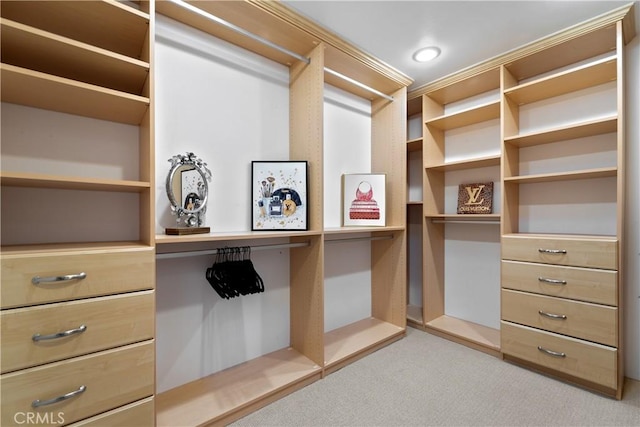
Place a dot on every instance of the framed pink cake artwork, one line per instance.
(364, 199)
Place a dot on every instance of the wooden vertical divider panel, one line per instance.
(306, 264)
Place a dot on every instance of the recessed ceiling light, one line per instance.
(426, 54)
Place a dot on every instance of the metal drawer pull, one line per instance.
(37, 403)
(552, 251)
(552, 353)
(79, 330)
(552, 281)
(551, 315)
(37, 279)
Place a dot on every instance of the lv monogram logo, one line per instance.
(474, 194)
(475, 198)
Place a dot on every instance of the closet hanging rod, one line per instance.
(215, 251)
(277, 47)
(239, 30)
(456, 221)
(357, 83)
(356, 239)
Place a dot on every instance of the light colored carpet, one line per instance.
(423, 380)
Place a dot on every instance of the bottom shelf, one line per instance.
(414, 316)
(345, 344)
(230, 394)
(468, 333)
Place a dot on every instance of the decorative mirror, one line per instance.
(188, 191)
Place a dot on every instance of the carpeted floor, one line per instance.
(423, 380)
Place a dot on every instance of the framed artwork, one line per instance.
(364, 199)
(279, 195)
(475, 198)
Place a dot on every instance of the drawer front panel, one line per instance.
(112, 378)
(592, 253)
(109, 321)
(599, 286)
(588, 361)
(139, 414)
(588, 321)
(107, 273)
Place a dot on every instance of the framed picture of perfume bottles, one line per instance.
(279, 195)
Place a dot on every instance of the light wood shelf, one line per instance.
(584, 76)
(49, 53)
(467, 117)
(164, 239)
(563, 133)
(563, 176)
(560, 53)
(345, 344)
(63, 248)
(229, 394)
(414, 144)
(463, 88)
(414, 106)
(109, 24)
(465, 217)
(473, 333)
(361, 229)
(19, 179)
(474, 163)
(40, 90)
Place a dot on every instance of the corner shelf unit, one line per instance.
(312, 353)
(472, 101)
(542, 162)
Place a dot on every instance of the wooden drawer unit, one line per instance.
(29, 279)
(581, 359)
(591, 252)
(588, 321)
(74, 328)
(598, 286)
(111, 379)
(139, 414)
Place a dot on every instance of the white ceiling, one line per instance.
(468, 32)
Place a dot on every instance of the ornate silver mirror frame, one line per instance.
(188, 191)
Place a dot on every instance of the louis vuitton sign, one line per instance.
(475, 198)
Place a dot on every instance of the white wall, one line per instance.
(347, 149)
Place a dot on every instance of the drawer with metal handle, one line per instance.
(584, 284)
(581, 359)
(140, 413)
(592, 322)
(80, 387)
(36, 278)
(590, 252)
(37, 335)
